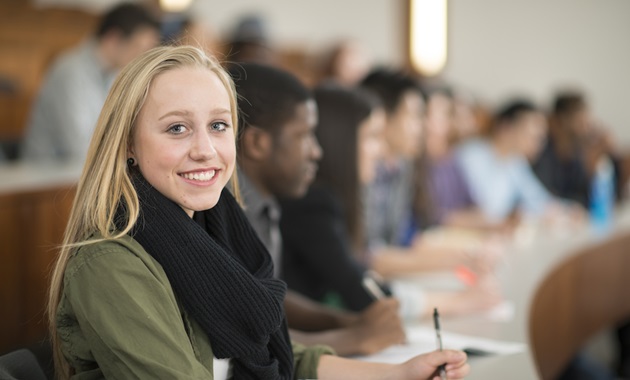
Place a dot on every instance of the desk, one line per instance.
(35, 203)
(565, 288)
(571, 286)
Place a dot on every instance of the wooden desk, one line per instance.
(566, 288)
(583, 295)
(34, 206)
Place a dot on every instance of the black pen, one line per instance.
(438, 333)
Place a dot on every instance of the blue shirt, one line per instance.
(500, 185)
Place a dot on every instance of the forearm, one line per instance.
(333, 367)
(344, 341)
(470, 218)
(307, 315)
(391, 262)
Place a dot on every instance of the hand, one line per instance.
(379, 326)
(487, 256)
(425, 366)
(481, 297)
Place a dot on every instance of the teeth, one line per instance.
(203, 176)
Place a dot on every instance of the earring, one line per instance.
(131, 161)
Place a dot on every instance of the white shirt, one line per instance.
(221, 369)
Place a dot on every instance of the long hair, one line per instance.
(105, 181)
(341, 112)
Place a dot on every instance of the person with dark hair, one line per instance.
(390, 193)
(345, 64)
(249, 42)
(447, 199)
(497, 170)
(73, 92)
(278, 155)
(392, 249)
(568, 161)
(323, 232)
(567, 166)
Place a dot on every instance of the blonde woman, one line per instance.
(160, 275)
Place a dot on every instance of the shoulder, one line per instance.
(474, 145)
(111, 253)
(74, 67)
(474, 150)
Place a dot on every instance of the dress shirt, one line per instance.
(500, 185)
(263, 213)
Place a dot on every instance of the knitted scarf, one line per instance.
(222, 274)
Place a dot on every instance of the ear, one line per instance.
(130, 151)
(256, 144)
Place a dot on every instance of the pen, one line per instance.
(438, 333)
(372, 287)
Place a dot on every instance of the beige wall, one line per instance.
(499, 48)
(316, 24)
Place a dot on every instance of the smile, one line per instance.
(199, 176)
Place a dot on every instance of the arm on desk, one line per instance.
(376, 328)
(421, 367)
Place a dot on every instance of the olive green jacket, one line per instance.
(118, 318)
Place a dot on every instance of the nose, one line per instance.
(202, 147)
(316, 150)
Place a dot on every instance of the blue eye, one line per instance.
(177, 129)
(219, 126)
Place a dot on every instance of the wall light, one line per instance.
(428, 35)
(175, 5)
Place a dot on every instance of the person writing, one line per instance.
(277, 157)
(324, 231)
(160, 275)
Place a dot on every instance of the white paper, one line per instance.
(422, 339)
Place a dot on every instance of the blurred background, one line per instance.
(486, 51)
(495, 49)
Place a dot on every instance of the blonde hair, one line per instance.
(105, 180)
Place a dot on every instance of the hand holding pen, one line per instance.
(438, 333)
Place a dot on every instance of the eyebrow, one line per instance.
(174, 113)
(217, 111)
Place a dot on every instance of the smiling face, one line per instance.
(183, 140)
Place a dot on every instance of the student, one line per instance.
(249, 41)
(160, 274)
(66, 109)
(441, 194)
(278, 156)
(345, 64)
(568, 161)
(323, 232)
(325, 229)
(497, 169)
(388, 198)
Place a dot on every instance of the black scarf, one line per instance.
(222, 274)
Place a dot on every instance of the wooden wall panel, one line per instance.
(31, 229)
